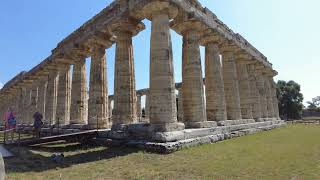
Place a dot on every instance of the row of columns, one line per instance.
(235, 87)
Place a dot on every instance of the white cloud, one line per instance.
(1, 85)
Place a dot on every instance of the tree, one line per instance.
(290, 99)
(314, 105)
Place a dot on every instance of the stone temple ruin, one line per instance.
(239, 97)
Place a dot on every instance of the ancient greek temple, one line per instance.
(238, 89)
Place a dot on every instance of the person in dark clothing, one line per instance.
(37, 123)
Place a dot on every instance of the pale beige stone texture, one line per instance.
(262, 92)
(124, 84)
(51, 96)
(180, 105)
(98, 91)
(79, 95)
(64, 96)
(256, 106)
(231, 86)
(192, 80)
(42, 89)
(215, 97)
(139, 112)
(244, 90)
(163, 110)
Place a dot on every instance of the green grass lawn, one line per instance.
(292, 152)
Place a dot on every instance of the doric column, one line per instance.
(193, 92)
(269, 95)
(110, 106)
(231, 84)
(163, 110)
(51, 96)
(24, 104)
(180, 105)
(42, 89)
(215, 98)
(274, 98)
(27, 105)
(125, 100)
(33, 101)
(98, 92)
(139, 112)
(256, 106)
(244, 88)
(79, 93)
(147, 106)
(262, 93)
(64, 96)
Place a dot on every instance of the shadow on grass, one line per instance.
(27, 161)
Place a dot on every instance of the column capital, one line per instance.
(159, 7)
(188, 25)
(129, 26)
(100, 40)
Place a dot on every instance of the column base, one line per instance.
(167, 127)
(204, 124)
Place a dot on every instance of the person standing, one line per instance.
(10, 122)
(37, 124)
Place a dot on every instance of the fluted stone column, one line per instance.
(274, 98)
(180, 105)
(231, 86)
(98, 92)
(110, 106)
(139, 112)
(42, 89)
(24, 111)
(51, 96)
(244, 90)
(262, 93)
(163, 111)
(215, 98)
(33, 101)
(147, 106)
(79, 93)
(193, 92)
(124, 79)
(269, 96)
(256, 106)
(27, 105)
(64, 96)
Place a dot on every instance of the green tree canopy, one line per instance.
(290, 99)
(314, 105)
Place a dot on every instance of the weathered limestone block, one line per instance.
(125, 86)
(98, 92)
(51, 96)
(163, 110)
(231, 86)
(246, 102)
(79, 99)
(216, 104)
(256, 108)
(64, 96)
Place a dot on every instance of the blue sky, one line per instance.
(286, 31)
